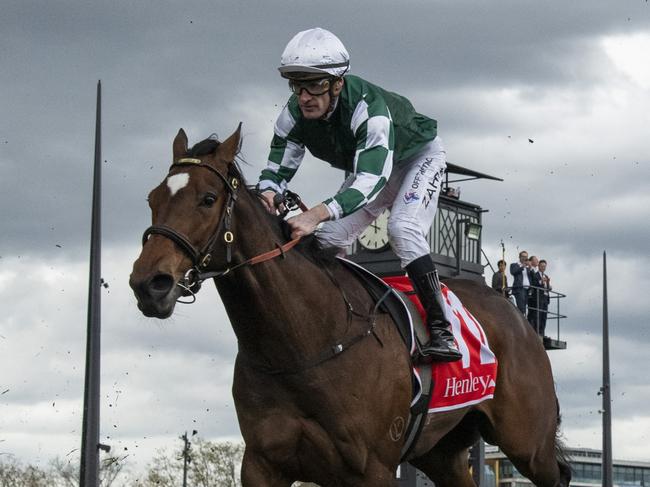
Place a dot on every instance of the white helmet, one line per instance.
(316, 51)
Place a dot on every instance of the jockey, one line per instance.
(393, 153)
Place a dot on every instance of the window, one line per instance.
(505, 469)
(586, 471)
(591, 471)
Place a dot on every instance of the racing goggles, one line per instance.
(315, 87)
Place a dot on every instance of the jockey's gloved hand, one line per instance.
(268, 200)
(306, 223)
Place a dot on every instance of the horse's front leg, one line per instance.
(257, 471)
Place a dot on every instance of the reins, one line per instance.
(280, 250)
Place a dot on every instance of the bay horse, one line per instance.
(308, 413)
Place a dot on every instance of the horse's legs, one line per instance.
(565, 473)
(258, 472)
(532, 452)
(447, 467)
(376, 475)
(542, 469)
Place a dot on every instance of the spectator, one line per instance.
(499, 279)
(534, 292)
(521, 282)
(545, 297)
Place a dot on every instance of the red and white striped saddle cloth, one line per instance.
(470, 380)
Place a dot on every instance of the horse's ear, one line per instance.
(230, 147)
(180, 144)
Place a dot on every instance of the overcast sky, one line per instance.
(573, 77)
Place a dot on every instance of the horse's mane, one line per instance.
(309, 246)
(203, 148)
(312, 249)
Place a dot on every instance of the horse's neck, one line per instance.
(287, 305)
(283, 307)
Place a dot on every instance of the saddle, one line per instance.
(414, 332)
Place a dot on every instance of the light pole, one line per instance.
(186, 457)
(89, 461)
(606, 391)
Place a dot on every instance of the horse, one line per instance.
(322, 382)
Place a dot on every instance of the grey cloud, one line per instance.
(158, 62)
(205, 67)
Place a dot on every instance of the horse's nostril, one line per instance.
(160, 284)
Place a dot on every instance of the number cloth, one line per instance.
(470, 380)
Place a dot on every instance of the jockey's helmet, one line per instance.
(314, 53)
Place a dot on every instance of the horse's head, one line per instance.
(191, 212)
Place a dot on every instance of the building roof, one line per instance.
(588, 455)
(463, 171)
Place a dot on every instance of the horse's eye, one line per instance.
(209, 199)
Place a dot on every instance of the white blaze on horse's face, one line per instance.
(177, 182)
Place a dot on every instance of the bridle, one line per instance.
(191, 282)
(201, 257)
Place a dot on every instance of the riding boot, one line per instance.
(442, 346)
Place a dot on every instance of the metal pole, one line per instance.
(503, 277)
(607, 401)
(89, 465)
(186, 455)
(478, 462)
(557, 320)
(537, 303)
(457, 247)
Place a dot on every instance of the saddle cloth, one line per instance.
(436, 386)
(450, 385)
(470, 380)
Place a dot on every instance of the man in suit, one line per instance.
(521, 282)
(534, 293)
(499, 279)
(545, 297)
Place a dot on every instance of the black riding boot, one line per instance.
(441, 347)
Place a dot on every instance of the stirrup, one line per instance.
(439, 349)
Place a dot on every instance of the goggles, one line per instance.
(315, 87)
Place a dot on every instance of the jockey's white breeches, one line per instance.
(411, 195)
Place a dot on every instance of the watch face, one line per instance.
(375, 236)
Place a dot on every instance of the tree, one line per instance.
(14, 474)
(211, 465)
(60, 473)
(65, 473)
